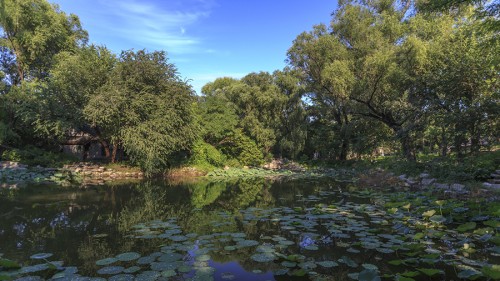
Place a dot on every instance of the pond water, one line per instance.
(244, 229)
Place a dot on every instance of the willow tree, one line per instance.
(146, 109)
(377, 51)
(35, 31)
(323, 61)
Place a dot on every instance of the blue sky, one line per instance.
(205, 39)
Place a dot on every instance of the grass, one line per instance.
(471, 168)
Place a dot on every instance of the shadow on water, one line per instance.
(241, 229)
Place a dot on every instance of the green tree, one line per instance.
(462, 87)
(35, 31)
(217, 117)
(292, 124)
(370, 68)
(324, 62)
(146, 108)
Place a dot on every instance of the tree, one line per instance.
(35, 31)
(487, 12)
(462, 87)
(376, 51)
(145, 108)
(318, 56)
(217, 117)
(292, 130)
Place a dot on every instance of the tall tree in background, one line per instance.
(462, 86)
(35, 31)
(319, 57)
(292, 130)
(146, 109)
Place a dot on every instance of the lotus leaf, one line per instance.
(110, 270)
(41, 256)
(130, 256)
(106, 261)
(122, 277)
(147, 276)
(368, 275)
(263, 257)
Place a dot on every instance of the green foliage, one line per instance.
(205, 156)
(35, 31)
(145, 108)
(217, 118)
(34, 156)
(243, 149)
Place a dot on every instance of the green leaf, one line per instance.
(368, 275)
(429, 213)
(410, 273)
(430, 271)
(467, 274)
(492, 223)
(396, 262)
(466, 226)
(437, 219)
(492, 271)
(9, 264)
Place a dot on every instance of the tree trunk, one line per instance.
(113, 156)
(105, 145)
(344, 149)
(459, 140)
(475, 139)
(444, 142)
(407, 148)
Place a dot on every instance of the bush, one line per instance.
(206, 156)
(34, 156)
(243, 149)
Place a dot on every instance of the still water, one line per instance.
(244, 229)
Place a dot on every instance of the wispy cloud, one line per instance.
(161, 25)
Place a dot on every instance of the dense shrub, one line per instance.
(243, 149)
(205, 156)
(34, 156)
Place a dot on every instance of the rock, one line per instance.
(427, 182)
(424, 175)
(491, 185)
(411, 182)
(459, 188)
(441, 185)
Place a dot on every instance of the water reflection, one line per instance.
(82, 225)
(308, 225)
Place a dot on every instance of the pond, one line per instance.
(245, 229)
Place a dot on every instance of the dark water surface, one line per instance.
(245, 229)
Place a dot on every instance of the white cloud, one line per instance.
(157, 26)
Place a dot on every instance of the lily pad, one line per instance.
(466, 226)
(106, 261)
(248, 243)
(9, 264)
(110, 270)
(368, 275)
(132, 269)
(130, 256)
(122, 277)
(437, 219)
(263, 257)
(168, 273)
(41, 256)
